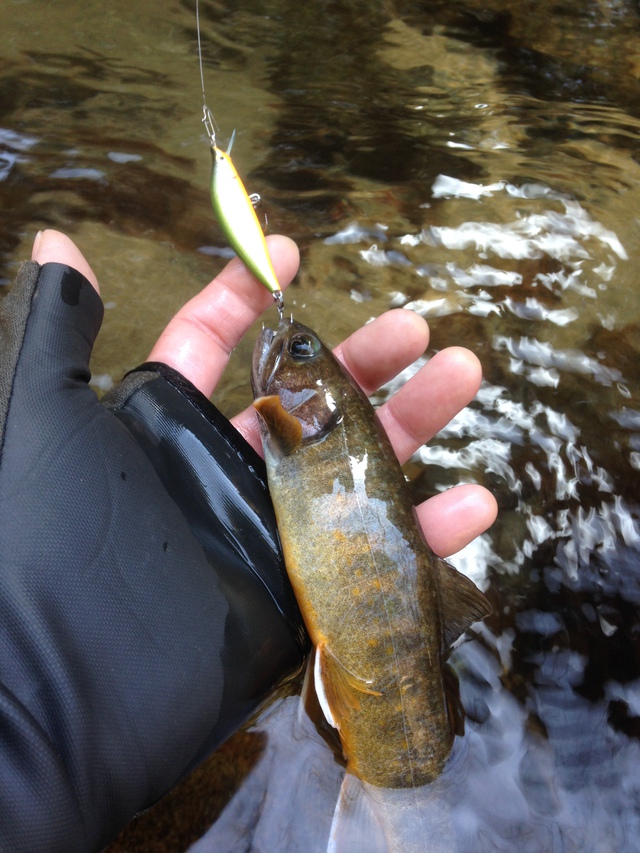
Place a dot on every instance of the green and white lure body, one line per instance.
(237, 217)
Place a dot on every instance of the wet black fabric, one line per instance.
(143, 607)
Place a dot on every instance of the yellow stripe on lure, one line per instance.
(234, 208)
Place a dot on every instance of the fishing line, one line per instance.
(233, 206)
(208, 119)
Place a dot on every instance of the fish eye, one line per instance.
(304, 345)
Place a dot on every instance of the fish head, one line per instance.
(297, 383)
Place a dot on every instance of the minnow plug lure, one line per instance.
(233, 206)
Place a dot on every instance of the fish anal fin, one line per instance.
(285, 430)
(461, 601)
(337, 687)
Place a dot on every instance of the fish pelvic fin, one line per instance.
(461, 601)
(336, 686)
(285, 430)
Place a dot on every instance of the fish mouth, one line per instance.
(266, 357)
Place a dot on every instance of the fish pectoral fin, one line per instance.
(337, 687)
(284, 429)
(461, 601)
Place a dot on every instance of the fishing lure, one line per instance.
(234, 208)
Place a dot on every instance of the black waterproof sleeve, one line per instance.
(144, 610)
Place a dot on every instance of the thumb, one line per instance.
(53, 246)
(50, 320)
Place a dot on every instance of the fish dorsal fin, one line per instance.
(461, 601)
(285, 430)
(337, 687)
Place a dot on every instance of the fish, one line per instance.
(380, 607)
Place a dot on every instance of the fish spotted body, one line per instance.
(379, 606)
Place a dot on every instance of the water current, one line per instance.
(478, 163)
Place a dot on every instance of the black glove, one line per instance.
(144, 608)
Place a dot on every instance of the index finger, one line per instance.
(198, 341)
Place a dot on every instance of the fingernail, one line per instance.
(36, 244)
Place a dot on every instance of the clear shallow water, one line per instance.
(475, 162)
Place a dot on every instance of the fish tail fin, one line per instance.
(286, 800)
(355, 827)
(392, 820)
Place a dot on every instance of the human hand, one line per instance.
(200, 338)
(139, 611)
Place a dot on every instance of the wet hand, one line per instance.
(374, 355)
(200, 338)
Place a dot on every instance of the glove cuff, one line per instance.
(219, 482)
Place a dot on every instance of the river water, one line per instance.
(476, 162)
